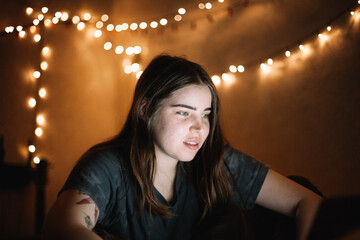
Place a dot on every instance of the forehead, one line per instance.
(192, 93)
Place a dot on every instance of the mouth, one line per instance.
(192, 145)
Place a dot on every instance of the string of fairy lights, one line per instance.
(100, 25)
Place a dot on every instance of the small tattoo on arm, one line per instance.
(86, 201)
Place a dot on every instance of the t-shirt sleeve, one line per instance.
(248, 175)
(97, 174)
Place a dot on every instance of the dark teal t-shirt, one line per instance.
(102, 174)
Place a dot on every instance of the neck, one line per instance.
(164, 179)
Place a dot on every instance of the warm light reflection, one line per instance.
(37, 38)
(38, 132)
(41, 17)
(29, 10)
(128, 69)
(33, 29)
(153, 24)
(135, 67)
(99, 24)
(301, 47)
(19, 28)
(225, 77)
(32, 102)
(119, 49)
(328, 28)
(265, 68)
(125, 26)
(138, 74)
(81, 26)
(107, 46)
(98, 33)
(241, 68)
(287, 53)
(36, 74)
(31, 148)
(270, 61)
(22, 34)
(137, 49)
(163, 21)
(232, 68)
(55, 20)
(110, 27)
(216, 79)
(133, 26)
(58, 15)
(201, 5)
(36, 160)
(44, 9)
(87, 16)
(118, 28)
(143, 25)
(42, 92)
(47, 22)
(129, 51)
(44, 65)
(177, 18)
(36, 22)
(40, 119)
(104, 17)
(182, 11)
(76, 19)
(64, 16)
(208, 5)
(46, 51)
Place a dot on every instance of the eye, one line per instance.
(183, 113)
(205, 115)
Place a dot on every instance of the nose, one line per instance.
(196, 124)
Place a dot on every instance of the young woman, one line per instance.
(169, 168)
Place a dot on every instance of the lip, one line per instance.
(192, 144)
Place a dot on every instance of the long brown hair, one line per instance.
(164, 75)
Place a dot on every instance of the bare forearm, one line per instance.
(305, 215)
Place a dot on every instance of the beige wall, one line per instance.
(301, 119)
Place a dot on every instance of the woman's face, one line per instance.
(181, 125)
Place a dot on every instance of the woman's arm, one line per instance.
(73, 216)
(280, 194)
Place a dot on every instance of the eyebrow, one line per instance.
(189, 107)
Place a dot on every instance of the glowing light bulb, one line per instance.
(216, 79)
(47, 22)
(201, 5)
(270, 61)
(97, 33)
(143, 25)
(352, 13)
(129, 50)
(36, 74)
(55, 20)
(22, 34)
(287, 53)
(19, 28)
(81, 26)
(104, 17)
(37, 38)
(36, 160)
(107, 46)
(138, 74)
(208, 5)
(133, 26)
(87, 16)
(40, 119)
(33, 29)
(119, 49)
(118, 28)
(137, 49)
(64, 16)
(38, 132)
(128, 69)
(36, 22)
(221, 1)
(44, 65)
(44, 9)
(42, 92)
(182, 11)
(225, 77)
(75, 19)
(110, 27)
(135, 67)
(178, 18)
(45, 51)
(328, 28)
(32, 102)
(99, 24)
(41, 17)
(125, 26)
(29, 10)
(163, 21)
(320, 36)
(154, 24)
(58, 15)
(241, 68)
(301, 47)
(232, 68)
(31, 148)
